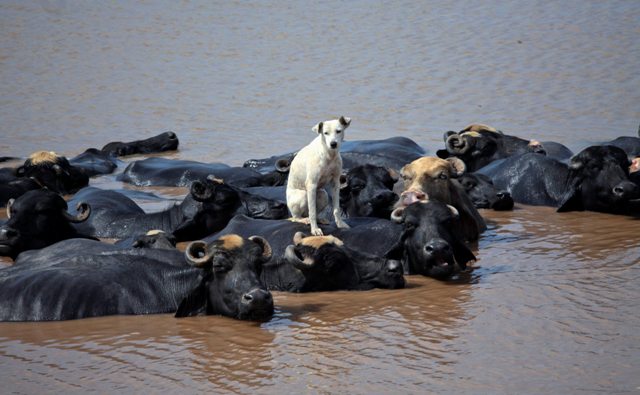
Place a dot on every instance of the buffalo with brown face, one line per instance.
(435, 178)
(37, 219)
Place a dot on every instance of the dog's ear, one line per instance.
(345, 121)
(318, 128)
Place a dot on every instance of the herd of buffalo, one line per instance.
(409, 214)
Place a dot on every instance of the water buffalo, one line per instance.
(483, 193)
(630, 144)
(172, 172)
(37, 219)
(434, 177)
(368, 192)
(82, 278)
(208, 207)
(316, 263)
(94, 162)
(596, 179)
(167, 141)
(391, 153)
(478, 145)
(54, 172)
(15, 188)
(429, 244)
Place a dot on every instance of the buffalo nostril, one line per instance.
(247, 298)
(618, 190)
(429, 249)
(8, 233)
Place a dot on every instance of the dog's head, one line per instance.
(332, 132)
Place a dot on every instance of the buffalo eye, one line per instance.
(357, 187)
(443, 176)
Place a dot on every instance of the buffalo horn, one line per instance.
(197, 253)
(266, 247)
(84, 210)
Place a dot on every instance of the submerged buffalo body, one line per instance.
(83, 278)
(595, 179)
(207, 209)
(391, 153)
(167, 141)
(478, 145)
(316, 263)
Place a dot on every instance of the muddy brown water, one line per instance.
(553, 302)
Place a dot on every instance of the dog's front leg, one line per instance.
(312, 194)
(335, 200)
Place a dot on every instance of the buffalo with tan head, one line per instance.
(435, 178)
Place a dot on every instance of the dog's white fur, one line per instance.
(313, 167)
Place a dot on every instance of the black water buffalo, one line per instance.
(316, 263)
(83, 278)
(54, 172)
(95, 162)
(172, 172)
(595, 179)
(483, 193)
(478, 145)
(630, 144)
(207, 208)
(15, 188)
(37, 219)
(429, 243)
(368, 192)
(391, 153)
(167, 141)
(434, 177)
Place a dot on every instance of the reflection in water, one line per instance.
(552, 305)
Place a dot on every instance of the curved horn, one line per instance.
(457, 144)
(197, 253)
(84, 210)
(454, 210)
(290, 256)
(266, 247)
(297, 238)
(9, 204)
(344, 181)
(215, 179)
(200, 192)
(396, 215)
(283, 165)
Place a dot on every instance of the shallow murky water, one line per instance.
(553, 303)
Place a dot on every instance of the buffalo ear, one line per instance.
(463, 255)
(457, 165)
(197, 301)
(200, 191)
(571, 201)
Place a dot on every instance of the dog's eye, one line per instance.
(326, 133)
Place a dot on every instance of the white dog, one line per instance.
(315, 166)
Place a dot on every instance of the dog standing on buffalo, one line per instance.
(316, 165)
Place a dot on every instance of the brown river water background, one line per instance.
(553, 305)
